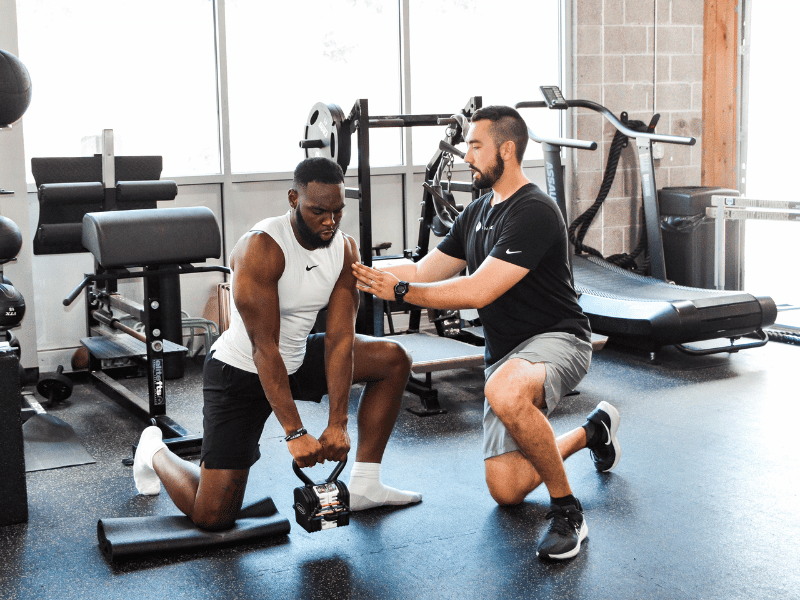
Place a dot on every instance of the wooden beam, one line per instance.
(720, 45)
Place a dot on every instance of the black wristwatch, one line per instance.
(400, 290)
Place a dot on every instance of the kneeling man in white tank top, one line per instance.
(284, 271)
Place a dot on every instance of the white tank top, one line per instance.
(304, 289)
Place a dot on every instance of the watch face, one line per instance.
(401, 288)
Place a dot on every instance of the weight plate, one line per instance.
(55, 387)
(327, 134)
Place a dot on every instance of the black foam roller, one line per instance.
(135, 536)
(71, 193)
(146, 191)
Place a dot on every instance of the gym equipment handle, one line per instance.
(451, 149)
(655, 137)
(763, 338)
(411, 120)
(74, 293)
(174, 271)
(531, 104)
(307, 480)
(563, 142)
(312, 144)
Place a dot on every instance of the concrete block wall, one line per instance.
(641, 57)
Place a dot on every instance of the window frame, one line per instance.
(407, 169)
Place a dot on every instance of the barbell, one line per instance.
(328, 132)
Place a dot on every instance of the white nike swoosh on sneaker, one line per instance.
(608, 443)
(508, 251)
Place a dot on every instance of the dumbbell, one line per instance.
(55, 386)
(322, 504)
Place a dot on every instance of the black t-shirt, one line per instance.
(525, 230)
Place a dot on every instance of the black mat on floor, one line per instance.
(121, 538)
(50, 443)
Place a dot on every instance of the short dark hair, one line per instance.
(319, 169)
(507, 125)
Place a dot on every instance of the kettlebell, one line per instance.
(321, 505)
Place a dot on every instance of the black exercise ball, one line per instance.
(15, 88)
(10, 239)
(12, 306)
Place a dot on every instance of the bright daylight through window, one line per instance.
(281, 63)
(145, 69)
(148, 71)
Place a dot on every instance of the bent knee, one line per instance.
(506, 403)
(504, 494)
(213, 521)
(507, 478)
(395, 357)
(515, 385)
(214, 518)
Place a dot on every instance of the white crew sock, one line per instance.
(145, 478)
(367, 491)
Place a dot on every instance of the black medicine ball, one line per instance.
(10, 239)
(15, 88)
(12, 306)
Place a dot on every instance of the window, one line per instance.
(282, 62)
(501, 50)
(769, 245)
(145, 69)
(148, 70)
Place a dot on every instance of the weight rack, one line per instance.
(327, 133)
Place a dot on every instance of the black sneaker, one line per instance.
(605, 451)
(566, 532)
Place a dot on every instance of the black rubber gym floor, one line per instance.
(704, 503)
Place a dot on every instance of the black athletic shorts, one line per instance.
(235, 407)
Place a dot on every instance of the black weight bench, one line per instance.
(107, 205)
(162, 242)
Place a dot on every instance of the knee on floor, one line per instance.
(505, 494)
(213, 519)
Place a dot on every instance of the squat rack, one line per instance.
(327, 133)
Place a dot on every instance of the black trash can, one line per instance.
(688, 237)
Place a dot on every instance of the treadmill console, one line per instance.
(553, 97)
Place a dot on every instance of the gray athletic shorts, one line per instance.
(566, 359)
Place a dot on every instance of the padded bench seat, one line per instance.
(164, 236)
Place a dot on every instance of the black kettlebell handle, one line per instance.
(305, 478)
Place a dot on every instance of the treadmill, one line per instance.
(649, 312)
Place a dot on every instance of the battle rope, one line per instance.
(584, 221)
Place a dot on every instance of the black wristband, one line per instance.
(296, 434)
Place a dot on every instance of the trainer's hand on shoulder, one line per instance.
(306, 451)
(335, 443)
(374, 281)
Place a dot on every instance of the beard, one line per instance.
(309, 237)
(485, 180)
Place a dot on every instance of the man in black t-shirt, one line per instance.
(513, 241)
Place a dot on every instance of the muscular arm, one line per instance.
(258, 263)
(434, 266)
(339, 339)
(494, 278)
